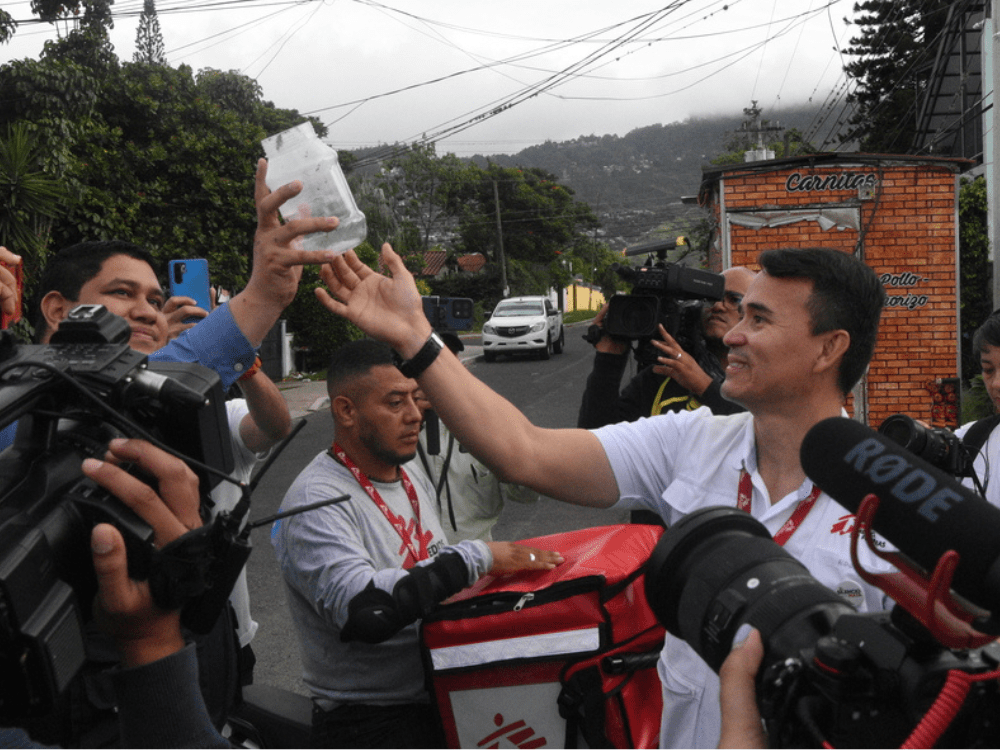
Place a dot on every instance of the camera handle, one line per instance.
(928, 599)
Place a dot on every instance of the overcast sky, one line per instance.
(398, 70)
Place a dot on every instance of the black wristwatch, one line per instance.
(414, 367)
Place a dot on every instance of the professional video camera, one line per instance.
(926, 673)
(71, 397)
(662, 292)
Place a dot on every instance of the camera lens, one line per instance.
(718, 568)
(931, 445)
(633, 316)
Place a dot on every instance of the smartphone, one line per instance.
(18, 271)
(189, 278)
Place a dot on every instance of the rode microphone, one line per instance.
(923, 511)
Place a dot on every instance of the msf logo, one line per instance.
(512, 734)
(903, 480)
(845, 525)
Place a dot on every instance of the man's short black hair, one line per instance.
(68, 270)
(988, 334)
(846, 295)
(353, 359)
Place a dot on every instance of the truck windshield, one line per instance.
(518, 309)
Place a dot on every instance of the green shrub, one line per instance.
(318, 333)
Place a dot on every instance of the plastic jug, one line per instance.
(299, 154)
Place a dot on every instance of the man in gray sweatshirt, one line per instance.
(360, 572)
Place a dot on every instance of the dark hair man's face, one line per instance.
(128, 287)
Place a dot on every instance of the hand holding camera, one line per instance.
(675, 363)
(124, 607)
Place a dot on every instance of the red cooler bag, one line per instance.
(560, 658)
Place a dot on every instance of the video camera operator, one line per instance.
(157, 687)
(679, 381)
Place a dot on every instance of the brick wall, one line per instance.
(907, 227)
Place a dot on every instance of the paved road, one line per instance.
(548, 392)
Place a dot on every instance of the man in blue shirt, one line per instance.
(121, 277)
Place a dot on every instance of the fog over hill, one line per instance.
(635, 182)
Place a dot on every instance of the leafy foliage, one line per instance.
(416, 197)
(7, 26)
(976, 300)
(317, 333)
(29, 199)
(539, 220)
(890, 70)
(147, 153)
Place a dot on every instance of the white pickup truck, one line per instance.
(524, 324)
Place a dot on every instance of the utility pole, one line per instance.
(755, 129)
(503, 263)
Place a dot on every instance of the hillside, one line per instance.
(635, 182)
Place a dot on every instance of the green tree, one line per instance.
(146, 153)
(317, 334)
(230, 91)
(7, 26)
(791, 143)
(29, 199)
(149, 37)
(976, 300)
(890, 71)
(420, 192)
(539, 219)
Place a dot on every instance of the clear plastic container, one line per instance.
(299, 154)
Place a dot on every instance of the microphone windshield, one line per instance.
(923, 511)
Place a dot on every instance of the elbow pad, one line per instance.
(374, 615)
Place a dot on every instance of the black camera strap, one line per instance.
(974, 440)
(442, 481)
(977, 435)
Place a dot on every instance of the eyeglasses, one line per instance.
(732, 300)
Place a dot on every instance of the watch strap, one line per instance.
(415, 366)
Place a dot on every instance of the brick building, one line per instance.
(899, 214)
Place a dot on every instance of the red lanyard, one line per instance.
(798, 516)
(396, 521)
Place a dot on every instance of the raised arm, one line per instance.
(567, 465)
(268, 422)
(278, 258)
(226, 339)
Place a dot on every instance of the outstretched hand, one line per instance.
(278, 255)
(124, 607)
(509, 557)
(386, 308)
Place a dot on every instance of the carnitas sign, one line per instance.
(804, 183)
